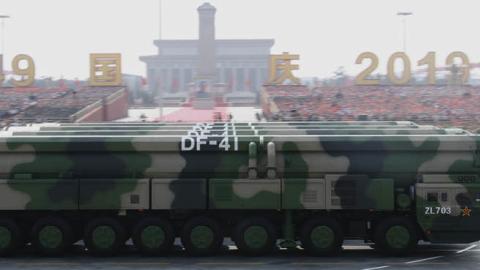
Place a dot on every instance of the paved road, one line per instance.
(354, 256)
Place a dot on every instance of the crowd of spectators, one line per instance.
(20, 105)
(448, 105)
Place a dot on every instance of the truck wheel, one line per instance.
(52, 235)
(104, 236)
(10, 237)
(255, 236)
(396, 236)
(321, 236)
(153, 236)
(201, 236)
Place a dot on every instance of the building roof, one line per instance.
(170, 43)
(224, 47)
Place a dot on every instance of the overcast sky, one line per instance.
(60, 34)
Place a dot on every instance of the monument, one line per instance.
(206, 43)
(227, 71)
(203, 98)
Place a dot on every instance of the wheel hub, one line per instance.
(322, 236)
(397, 237)
(255, 236)
(202, 237)
(50, 236)
(103, 236)
(153, 236)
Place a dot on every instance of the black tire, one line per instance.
(11, 237)
(153, 236)
(396, 236)
(321, 236)
(52, 236)
(104, 236)
(255, 236)
(202, 236)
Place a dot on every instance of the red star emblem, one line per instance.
(466, 212)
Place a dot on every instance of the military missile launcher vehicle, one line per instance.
(312, 184)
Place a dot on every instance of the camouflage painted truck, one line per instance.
(314, 184)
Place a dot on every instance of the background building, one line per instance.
(235, 68)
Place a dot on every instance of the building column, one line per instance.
(243, 78)
(181, 79)
(220, 75)
(168, 80)
(151, 80)
(246, 79)
(162, 78)
(259, 79)
(156, 75)
(234, 79)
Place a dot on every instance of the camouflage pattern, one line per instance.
(374, 168)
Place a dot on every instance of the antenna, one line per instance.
(404, 15)
(160, 19)
(2, 18)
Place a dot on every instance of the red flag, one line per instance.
(175, 85)
(248, 84)
(77, 84)
(61, 84)
(231, 81)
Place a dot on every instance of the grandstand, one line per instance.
(440, 105)
(86, 104)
